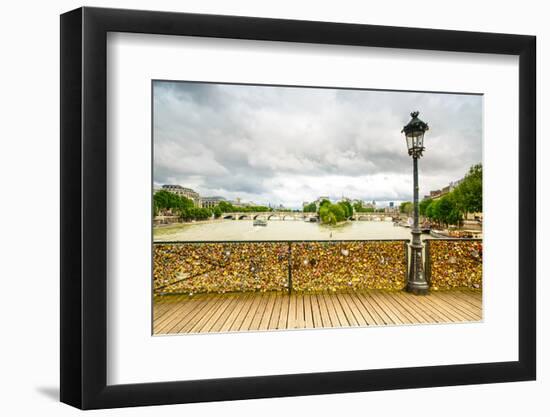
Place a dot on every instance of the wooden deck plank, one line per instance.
(316, 312)
(227, 315)
(187, 322)
(352, 320)
(457, 305)
(334, 319)
(383, 309)
(252, 312)
(161, 306)
(274, 321)
(452, 315)
(449, 308)
(308, 312)
(283, 316)
(255, 324)
(471, 294)
(195, 312)
(266, 317)
(323, 311)
(473, 300)
(174, 310)
(420, 306)
(250, 304)
(207, 316)
(300, 320)
(428, 309)
(404, 309)
(367, 315)
(211, 313)
(181, 311)
(241, 305)
(373, 309)
(344, 322)
(291, 319)
(217, 319)
(472, 308)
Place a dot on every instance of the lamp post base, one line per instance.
(416, 282)
(418, 288)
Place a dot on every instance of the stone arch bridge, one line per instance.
(287, 215)
(271, 215)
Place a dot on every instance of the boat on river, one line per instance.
(456, 234)
(259, 222)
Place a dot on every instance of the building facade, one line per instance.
(210, 202)
(183, 192)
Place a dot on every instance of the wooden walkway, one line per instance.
(211, 313)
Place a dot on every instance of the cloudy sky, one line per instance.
(284, 145)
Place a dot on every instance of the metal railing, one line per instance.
(305, 265)
(454, 263)
(213, 266)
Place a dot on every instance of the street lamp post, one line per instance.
(414, 134)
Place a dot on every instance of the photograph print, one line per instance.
(278, 208)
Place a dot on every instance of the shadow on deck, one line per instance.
(213, 313)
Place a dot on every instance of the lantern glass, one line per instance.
(409, 142)
(419, 136)
(415, 140)
(414, 134)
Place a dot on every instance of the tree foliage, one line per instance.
(217, 212)
(423, 206)
(165, 200)
(333, 213)
(358, 207)
(406, 207)
(467, 197)
(469, 192)
(227, 207)
(348, 209)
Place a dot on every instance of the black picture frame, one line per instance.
(84, 207)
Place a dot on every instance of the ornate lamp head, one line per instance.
(414, 134)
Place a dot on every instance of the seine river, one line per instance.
(279, 230)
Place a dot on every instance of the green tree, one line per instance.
(338, 211)
(406, 207)
(326, 215)
(434, 210)
(323, 203)
(217, 211)
(310, 208)
(348, 209)
(445, 208)
(469, 193)
(423, 206)
(226, 207)
(332, 213)
(165, 200)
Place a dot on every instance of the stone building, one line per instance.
(183, 192)
(210, 202)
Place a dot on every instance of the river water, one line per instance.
(239, 230)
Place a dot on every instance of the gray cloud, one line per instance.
(288, 145)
